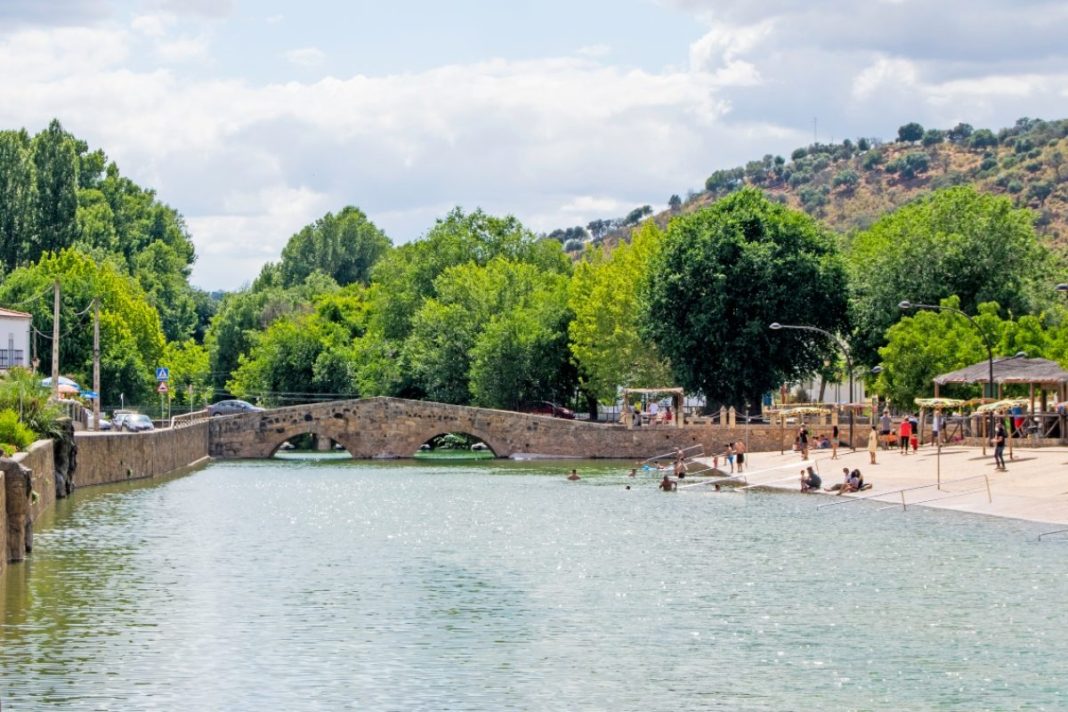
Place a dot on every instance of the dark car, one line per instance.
(136, 423)
(548, 408)
(232, 407)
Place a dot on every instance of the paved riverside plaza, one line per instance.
(1035, 487)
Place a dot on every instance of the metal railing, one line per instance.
(904, 503)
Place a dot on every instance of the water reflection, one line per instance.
(340, 585)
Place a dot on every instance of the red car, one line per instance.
(548, 408)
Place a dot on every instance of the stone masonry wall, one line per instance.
(395, 428)
(114, 457)
(39, 461)
(104, 458)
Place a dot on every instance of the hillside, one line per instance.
(849, 185)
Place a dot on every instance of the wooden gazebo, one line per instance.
(677, 400)
(1042, 373)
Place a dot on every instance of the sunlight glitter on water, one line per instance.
(499, 586)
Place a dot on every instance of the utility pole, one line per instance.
(96, 363)
(55, 340)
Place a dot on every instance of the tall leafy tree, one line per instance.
(305, 355)
(605, 337)
(957, 241)
(18, 198)
(722, 275)
(345, 246)
(56, 181)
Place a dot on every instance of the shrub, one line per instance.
(21, 392)
(871, 159)
(13, 431)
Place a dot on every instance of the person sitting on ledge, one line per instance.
(810, 480)
(855, 483)
(840, 485)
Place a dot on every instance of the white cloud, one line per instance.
(557, 141)
(183, 49)
(154, 26)
(305, 57)
(595, 50)
(885, 73)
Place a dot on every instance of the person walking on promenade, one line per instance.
(885, 424)
(834, 442)
(904, 434)
(739, 455)
(999, 446)
(802, 441)
(873, 443)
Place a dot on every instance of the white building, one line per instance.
(14, 339)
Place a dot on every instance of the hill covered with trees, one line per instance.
(847, 186)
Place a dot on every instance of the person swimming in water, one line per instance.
(574, 475)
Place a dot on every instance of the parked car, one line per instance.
(136, 423)
(105, 424)
(548, 408)
(232, 407)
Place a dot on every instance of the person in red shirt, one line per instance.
(904, 434)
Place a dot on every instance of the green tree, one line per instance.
(605, 338)
(190, 371)
(910, 132)
(345, 246)
(56, 181)
(305, 355)
(953, 242)
(130, 334)
(18, 198)
(726, 272)
(474, 303)
(675, 203)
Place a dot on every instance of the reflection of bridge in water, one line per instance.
(394, 427)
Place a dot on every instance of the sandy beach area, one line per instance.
(1034, 488)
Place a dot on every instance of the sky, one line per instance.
(253, 119)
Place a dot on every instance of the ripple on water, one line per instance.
(498, 586)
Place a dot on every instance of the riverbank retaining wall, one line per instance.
(116, 457)
(102, 458)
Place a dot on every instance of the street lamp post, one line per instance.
(849, 364)
(907, 305)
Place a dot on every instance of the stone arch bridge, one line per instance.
(395, 428)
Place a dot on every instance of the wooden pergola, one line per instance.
(1042, 373)
(677, 398)
(1047, 375)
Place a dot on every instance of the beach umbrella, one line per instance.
(1006, 404)
(938, 403)
(63, 381)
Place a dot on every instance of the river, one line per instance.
(328, 585)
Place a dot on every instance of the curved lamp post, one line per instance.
(844, 347)
(906, 305)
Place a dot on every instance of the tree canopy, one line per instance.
(954, 242)
(722, 275)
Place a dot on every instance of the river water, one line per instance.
(328, 585)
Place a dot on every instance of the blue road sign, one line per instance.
(163, 373)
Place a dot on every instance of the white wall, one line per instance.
(14, 336)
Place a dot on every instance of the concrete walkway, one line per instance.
(1035, 487)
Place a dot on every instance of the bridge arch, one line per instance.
(411, 444)
(280, 436)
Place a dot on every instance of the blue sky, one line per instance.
(255, 118)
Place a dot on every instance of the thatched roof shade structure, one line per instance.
(1036, 371)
